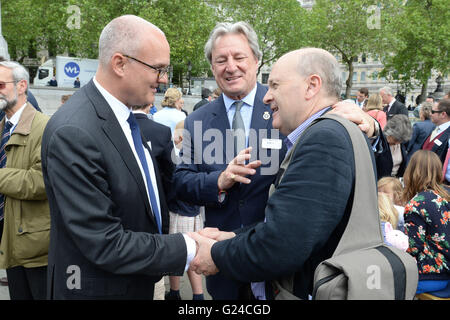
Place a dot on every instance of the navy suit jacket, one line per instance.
(441, 150)
(421, 131)
(101, 219)
(196, 177)
(305, 216)
(397, 108)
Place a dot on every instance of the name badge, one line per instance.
(438, 142)
(271, 143)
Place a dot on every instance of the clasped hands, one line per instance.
(205, 239)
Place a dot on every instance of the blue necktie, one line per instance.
(136, 134)
(5, 138)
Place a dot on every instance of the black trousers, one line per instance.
(27, 283)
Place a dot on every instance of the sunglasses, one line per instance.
(436, 111)
(3, 84)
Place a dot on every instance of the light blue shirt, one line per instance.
(169, 117)
(246, 111)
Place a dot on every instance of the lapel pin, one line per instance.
(266, 115)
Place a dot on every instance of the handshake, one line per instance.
(203, 262)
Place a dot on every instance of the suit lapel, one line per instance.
(115, 134)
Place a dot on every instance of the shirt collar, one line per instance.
(16, 116)
(248, 99)
(294, 135)
(392, 102)
(121, 111)
(444, 126)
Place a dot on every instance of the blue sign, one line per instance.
(71, 69)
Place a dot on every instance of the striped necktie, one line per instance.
(5, 138)
(238, 128)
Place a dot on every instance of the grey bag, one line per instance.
(362, 266)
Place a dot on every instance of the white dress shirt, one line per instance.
(122, 112)
(15, 118)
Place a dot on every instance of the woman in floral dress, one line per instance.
(427, 220)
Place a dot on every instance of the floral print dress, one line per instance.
(427, 224)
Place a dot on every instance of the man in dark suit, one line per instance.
(107, 205)
(204, 176)
(206, 97)
(305, 213)
(391, 105)
(437, 141)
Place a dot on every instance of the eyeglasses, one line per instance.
(161, 71)
(3, 84)
(436, 111)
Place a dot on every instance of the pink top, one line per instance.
(380, 116)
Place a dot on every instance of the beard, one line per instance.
(7, 104)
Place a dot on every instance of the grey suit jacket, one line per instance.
(103, 239)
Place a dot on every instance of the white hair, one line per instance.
(18, 71)
(324, 64)
(386, 90)
(124, 35)
(225, 28)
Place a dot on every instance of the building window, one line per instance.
(363, 76)
(265, 78)
(355, 76)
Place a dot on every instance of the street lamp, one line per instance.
(189, 77)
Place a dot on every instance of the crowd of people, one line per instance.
(101, 202)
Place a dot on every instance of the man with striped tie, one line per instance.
(24, 210)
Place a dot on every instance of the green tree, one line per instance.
(422, 42)
(278, 24)
(351, 28)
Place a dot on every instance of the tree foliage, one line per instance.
(421, 44)
(351, 28)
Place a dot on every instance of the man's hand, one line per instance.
(237, 170)
(216, 234)
(356, 115)
(203, 262)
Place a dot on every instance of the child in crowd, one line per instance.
(389, 219)
(393, 188)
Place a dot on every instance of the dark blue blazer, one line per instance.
(306, 215)
(196, 177)
(421, 131)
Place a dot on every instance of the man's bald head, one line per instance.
(318, 61)
(124, 34)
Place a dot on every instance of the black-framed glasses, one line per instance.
(3, 84)
(161, 71)
(436, 111)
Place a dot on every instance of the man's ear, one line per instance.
(22, 86)
(118, 63)
(314, 84)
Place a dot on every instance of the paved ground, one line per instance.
(186, 293)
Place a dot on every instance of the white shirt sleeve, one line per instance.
(191, 247)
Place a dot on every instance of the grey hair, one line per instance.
(399, 127)
(18, 71)
(121, 35)
(324, 64)
(387, 90)
(225, 28)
